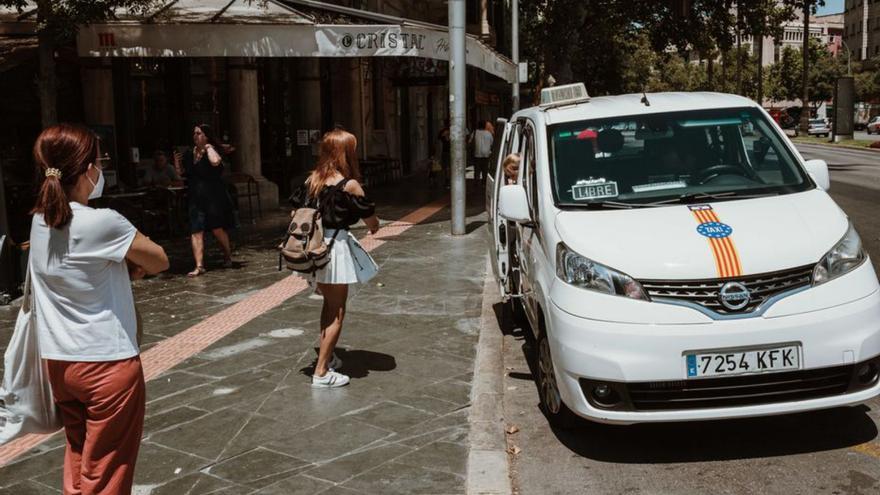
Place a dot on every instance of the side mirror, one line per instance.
(818, 170)
(513, 204)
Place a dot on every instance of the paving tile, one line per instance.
(31, 466)
(157, 464)
(427, 403)
(250, 394)
(233, 364)
(300, 406)
(255, 465)
(391, 416)
(333, 438)
(174, 382)
(296, 485)
(454, 391)
(53, 478)
(206, 436)
(28, 488)
(158, 422)
(339, 490)
(193, 484)
(394, 478)
(210, 389)
(439, 456)
(352, 465)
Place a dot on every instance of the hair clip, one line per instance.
(53, 172)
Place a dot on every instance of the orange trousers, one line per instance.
(102, 408)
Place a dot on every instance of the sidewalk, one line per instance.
(239, 417)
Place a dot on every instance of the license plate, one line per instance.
(724, 363)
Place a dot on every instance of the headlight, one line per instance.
(585, 273)
(843, 258)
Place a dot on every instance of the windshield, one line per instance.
(663, 157)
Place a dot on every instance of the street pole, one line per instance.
(514, 49)
(457, 96)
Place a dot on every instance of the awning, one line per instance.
(276, 28)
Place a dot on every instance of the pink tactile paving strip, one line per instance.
(174, 350)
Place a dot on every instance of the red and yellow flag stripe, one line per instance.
(724, 250)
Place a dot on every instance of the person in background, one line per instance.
(81, 262)
(510, 166)
(161, 173)
(483, 140)
(333, 188)
(210, 207)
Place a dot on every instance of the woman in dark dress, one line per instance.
(210, 207)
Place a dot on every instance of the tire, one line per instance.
(558, 414)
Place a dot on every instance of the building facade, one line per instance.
(144, 95)
(862, 31)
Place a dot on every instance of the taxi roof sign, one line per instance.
(567, 94)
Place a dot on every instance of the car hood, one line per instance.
(668, 243)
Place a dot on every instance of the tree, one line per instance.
(785, 77)
(784, 81)
(867, 80)
(760, 19)
(807, 8)
(57, 24)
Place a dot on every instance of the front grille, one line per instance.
(705, 292)
(746, 390)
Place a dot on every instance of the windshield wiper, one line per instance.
(609, 205)
(698, 197)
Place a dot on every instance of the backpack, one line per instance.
(304, 249)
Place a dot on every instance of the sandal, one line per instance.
(200, 270)
(227, 263)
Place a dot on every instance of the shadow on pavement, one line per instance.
(700, 441)
(358, 363)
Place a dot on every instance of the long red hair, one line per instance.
(70, 149)
(338, 156)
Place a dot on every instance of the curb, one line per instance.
(488, 470)
(836, 146)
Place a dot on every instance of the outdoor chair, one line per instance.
(158, 212)
(246, 187)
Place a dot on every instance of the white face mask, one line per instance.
(99, 187)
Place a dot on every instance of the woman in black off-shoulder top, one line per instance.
(333, 188)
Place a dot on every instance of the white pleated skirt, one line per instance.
(349, 262)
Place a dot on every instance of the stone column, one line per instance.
(245, 127)
(97, 90)
(306, 95)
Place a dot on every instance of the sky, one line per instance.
(831, 7)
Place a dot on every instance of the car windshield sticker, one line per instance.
(720, 237)
(659, 186)
(593, 189)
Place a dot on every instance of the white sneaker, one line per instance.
(331, 379)
(335, 363)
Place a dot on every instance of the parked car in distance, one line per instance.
(818, 127)
(874, 125)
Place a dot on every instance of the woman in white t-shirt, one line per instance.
(81, 262)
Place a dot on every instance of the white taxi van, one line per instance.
(677, 259)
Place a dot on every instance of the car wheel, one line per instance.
(557, 412)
